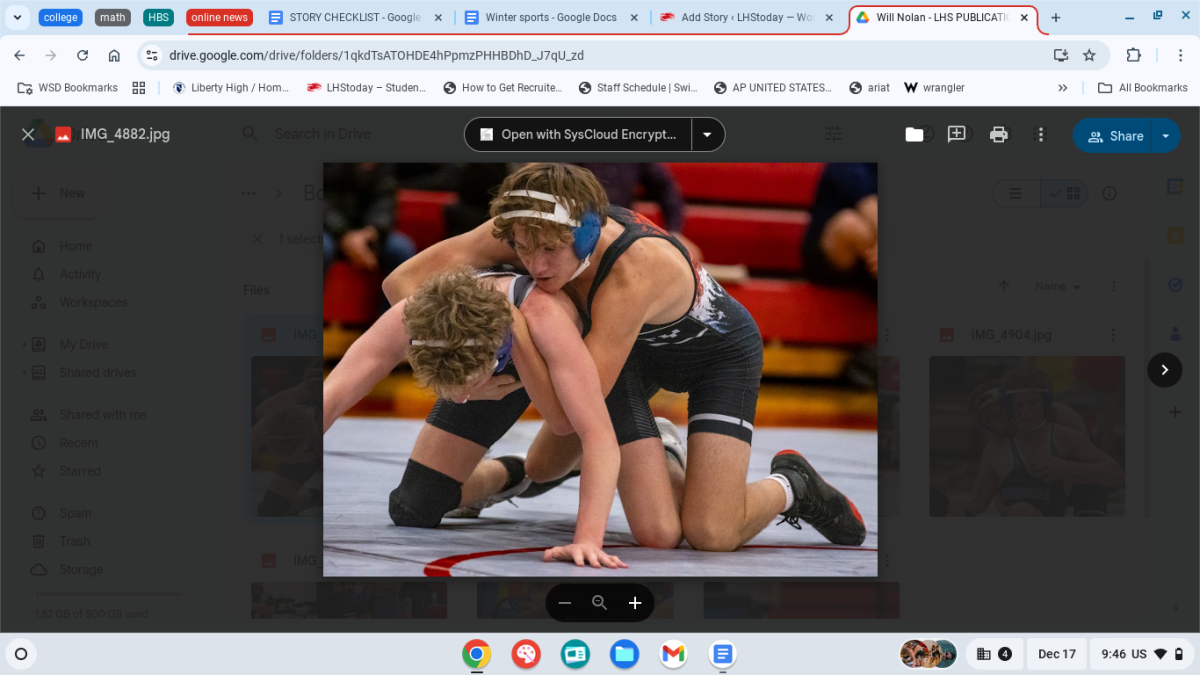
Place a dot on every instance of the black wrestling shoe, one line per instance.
(538, 489)
(818, 503)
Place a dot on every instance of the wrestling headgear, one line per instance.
(585, 232)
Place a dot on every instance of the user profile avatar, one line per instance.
(575, 654)
(722, 654)
(949, 653)
(933, 651)
(914, 654)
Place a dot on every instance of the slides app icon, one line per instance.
(476, 654)
(673, 654)
(575, 654)
(624, 654)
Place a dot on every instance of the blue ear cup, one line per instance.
(504, 354)
(587, 235)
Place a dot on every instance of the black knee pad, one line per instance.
(273, 505)
(424, 496)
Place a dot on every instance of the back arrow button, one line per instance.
(18, 55)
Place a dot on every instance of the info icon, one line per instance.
(722, 653)
(526, 654)
(476, 654)
(576, 654)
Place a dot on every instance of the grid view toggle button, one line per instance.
(220, 17)
(1040, 193)
(1126, 135)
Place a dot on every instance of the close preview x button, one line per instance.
(1164, 370)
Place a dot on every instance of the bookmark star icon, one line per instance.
(1089, 55)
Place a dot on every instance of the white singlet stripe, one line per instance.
(720, 418)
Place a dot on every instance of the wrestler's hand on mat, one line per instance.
(583, 555)
(493, 388)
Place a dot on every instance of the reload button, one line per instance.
(220, 17)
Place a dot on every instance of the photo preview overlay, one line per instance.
(768, 246)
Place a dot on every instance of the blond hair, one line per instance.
(1026, 378)
(574, 186)
(463, 323)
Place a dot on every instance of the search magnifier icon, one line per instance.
(248, 132)
(598, 601)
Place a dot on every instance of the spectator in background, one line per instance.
(476, 187)
(360, 209)
(841, 244)
(621, 181)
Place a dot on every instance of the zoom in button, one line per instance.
(600, 602)
(1164, 370)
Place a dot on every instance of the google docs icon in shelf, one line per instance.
(471, 17)
(275, 17)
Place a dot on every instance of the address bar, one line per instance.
(762, 55)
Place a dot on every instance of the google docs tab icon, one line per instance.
(471, 17)
(275, 17)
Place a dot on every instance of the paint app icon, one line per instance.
(526, 654)
(476, 654)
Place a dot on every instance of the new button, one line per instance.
(1126, 135)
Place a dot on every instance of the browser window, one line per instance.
(540, 334)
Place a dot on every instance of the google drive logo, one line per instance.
(476, 654)
(862, 17)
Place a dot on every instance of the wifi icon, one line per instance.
(1160, 653)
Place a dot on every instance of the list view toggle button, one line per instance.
(1126, 135)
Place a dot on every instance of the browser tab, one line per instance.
(946, 20)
